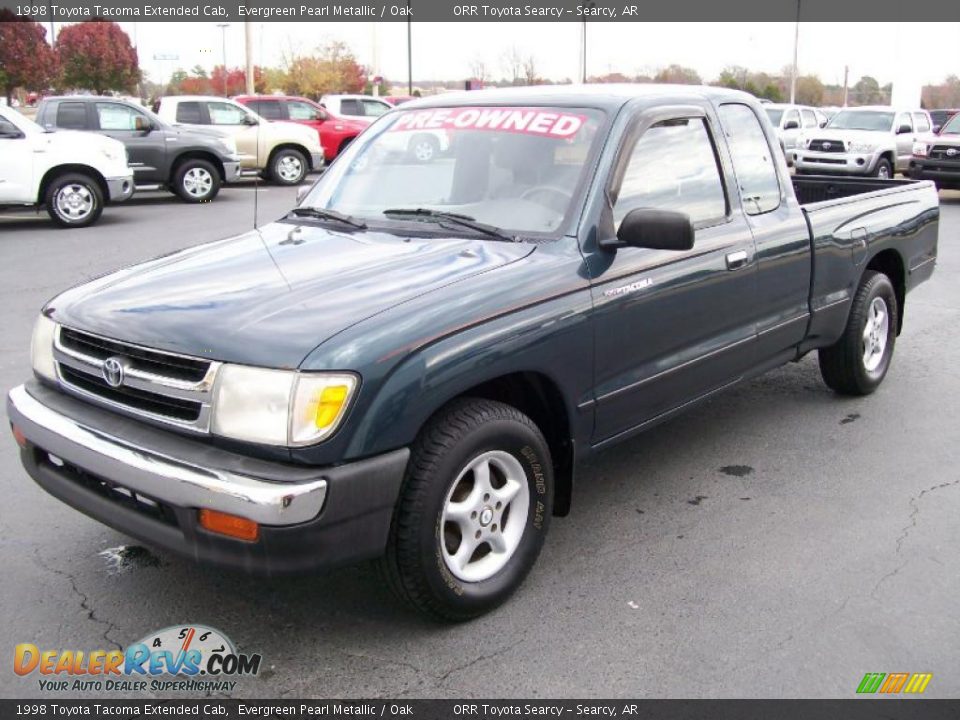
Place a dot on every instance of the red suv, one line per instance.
(335, 131)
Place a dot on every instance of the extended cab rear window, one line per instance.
(189, 112)
(72, 116)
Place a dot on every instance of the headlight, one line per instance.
(41, 348)
(279, 407)
(920, 149)
(861, 147)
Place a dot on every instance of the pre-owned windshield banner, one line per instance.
(503, 10)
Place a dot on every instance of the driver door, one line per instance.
(16, 170)
(145, 148)
(243, 127)
(672, 326)
(905, 141)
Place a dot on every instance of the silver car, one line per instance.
(790, 121)
(875, 141)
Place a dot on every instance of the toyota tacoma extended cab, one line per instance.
(411, 364)
(191, 163)
(69, 173)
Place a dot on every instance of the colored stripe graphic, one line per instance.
(870, 682)
(894, 683)
(918, 683)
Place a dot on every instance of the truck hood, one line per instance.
(71, 139)
(269, 297)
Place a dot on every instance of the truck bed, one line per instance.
(852, 220)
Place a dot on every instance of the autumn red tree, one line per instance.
(25, 58)
(97, 55)
(236, 81)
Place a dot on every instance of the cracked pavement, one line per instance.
(776, 542)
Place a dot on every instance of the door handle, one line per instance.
(737, 260)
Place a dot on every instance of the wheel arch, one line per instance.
(290, 146)
(53, 173)
(890, 263)
(196, 155)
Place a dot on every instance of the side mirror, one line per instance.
(791, 125)
(654, 229)
(936, 129)
(904, 129)
(322, 116)
(823, 123)
(142, 124)
(249, 120)
(302, 192)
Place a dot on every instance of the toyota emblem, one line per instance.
(827, 145)
(113, 371)
(952, 152)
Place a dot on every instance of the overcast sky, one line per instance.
(926, 52)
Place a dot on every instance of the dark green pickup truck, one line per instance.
(411, 364)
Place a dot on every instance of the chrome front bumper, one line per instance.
(175, 480)
(843, 163)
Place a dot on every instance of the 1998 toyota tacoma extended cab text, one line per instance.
(411, 363)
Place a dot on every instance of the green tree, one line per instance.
(678, 74)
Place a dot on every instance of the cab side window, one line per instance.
(270, 109)
(921, 123)
(350, 106)
(793, 116)
(301, 111)
(903, 120)
(673, 166)
(222, 113)
(752, 159)
(809, 119)
(113, 116)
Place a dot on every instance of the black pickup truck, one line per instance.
(412, 362)
(191, 163)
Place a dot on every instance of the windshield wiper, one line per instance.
(455, 219)
(324, 214)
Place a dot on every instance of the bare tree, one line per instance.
(530, 70)
(512, 63)
(478, 69)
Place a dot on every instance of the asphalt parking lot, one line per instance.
(775, 542)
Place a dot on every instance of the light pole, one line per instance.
(223, 36)
(796, 45)
(409, 50)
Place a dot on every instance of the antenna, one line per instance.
(249, 81)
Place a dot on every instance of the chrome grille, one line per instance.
(158, 386)
(836, 146)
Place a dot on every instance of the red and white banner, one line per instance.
(529, 121)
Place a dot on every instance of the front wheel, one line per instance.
(196, 181)
(288, 167)
(473, 512)
(74, 200)
(883, 170)
(857, 363)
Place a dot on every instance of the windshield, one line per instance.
(774, 115)
(952, 127)
(516, 168)
(862, 120)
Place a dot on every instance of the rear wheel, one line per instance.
(857, 363)
(288, 167)
(196, 181)
(473, 511)
(424, 148)
(74, 200)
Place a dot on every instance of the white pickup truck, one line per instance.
(72, 174)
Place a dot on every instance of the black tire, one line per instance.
(457, 435)
(843, 364)
(87, 192)
(283, 163)
(196, 181)
(883, 169)
(423, 148)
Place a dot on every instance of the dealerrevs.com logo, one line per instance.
(192, 658)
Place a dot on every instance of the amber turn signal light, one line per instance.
(229, 525)
(18, 436)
